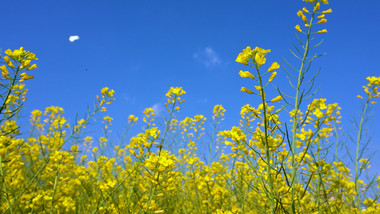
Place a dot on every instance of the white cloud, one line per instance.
(158, 108)
(208, 57)
(73, 38)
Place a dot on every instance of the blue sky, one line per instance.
(141, 48)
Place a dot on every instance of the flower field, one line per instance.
(281, 158)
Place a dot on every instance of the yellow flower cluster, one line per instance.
(257, 56)
(321, 18)
(372, 89)
(22, 59)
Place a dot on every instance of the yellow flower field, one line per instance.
(275, 160)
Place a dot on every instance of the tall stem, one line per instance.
(268, 155)
(358, 201)
(295, 117)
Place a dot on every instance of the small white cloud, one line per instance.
(73, 38)
(208, 57)
(158, 108)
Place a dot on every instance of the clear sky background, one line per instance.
(141, 48)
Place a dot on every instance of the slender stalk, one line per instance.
(336, 142)
(358, 200)
(5, 189)
(268, 155)
(295, 117)
(54, 189)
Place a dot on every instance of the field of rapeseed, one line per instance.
(281, 158)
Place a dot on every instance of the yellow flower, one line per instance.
(298, 28)
(176, 91)
(104, 90)
(15, 54)
(304, 19)
(260, 59)
(132, 119)
(8, 52)
(273, 67)
(305, 10)
(25, 64)
(360, 97)
(317, 6)
(373, 80)
(318, 113)
(246, 90)
(258, 88)
(241, 58)
(8, 61)
(244, 56)
(246, 74)
(299, 13)
(321, 16)
(325, 1)
(108, 119)
(278, 98)
(4, 72)
(257, 54)
(327, 11)
(261, 50)
(25, 76)
(322, 21)
(322, 31)
(34, 66)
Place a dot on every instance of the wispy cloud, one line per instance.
(158, 108)
(208, 57)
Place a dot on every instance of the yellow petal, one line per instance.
(273, 67)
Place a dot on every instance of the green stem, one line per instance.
(295, 117)
(358, 200)
(268, 155)
(5, 189)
